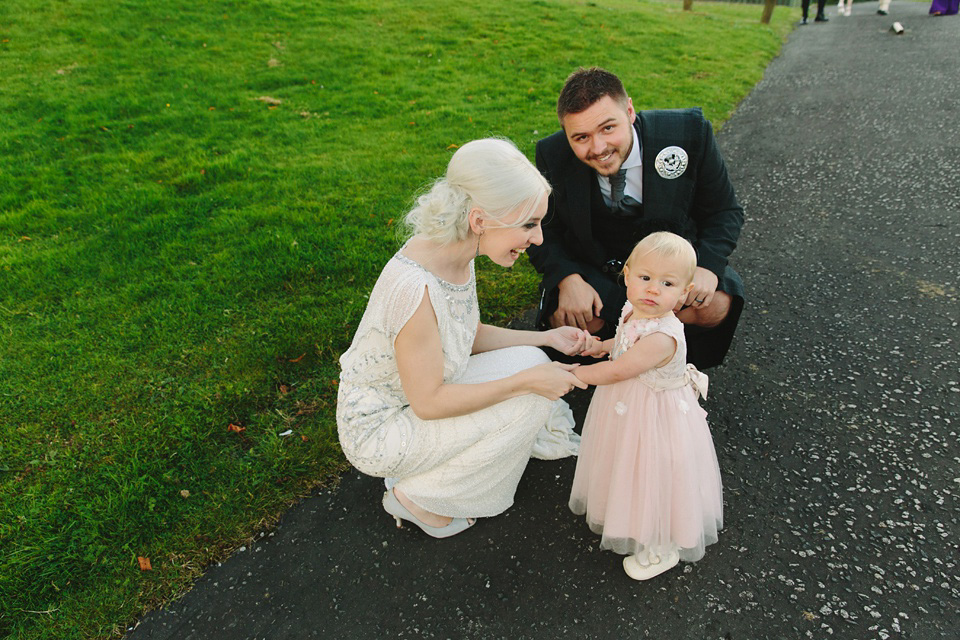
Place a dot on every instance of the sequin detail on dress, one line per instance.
(467, 466)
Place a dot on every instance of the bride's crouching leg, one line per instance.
(556, 438)
(477, 460)
(501, 363)
(469, 466)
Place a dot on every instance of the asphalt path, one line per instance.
(835, 418)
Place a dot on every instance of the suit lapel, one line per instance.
(651, 206)
(578, 184)
(662, 198)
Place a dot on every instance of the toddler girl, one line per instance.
(647, 477)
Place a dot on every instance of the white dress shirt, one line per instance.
(634, 166)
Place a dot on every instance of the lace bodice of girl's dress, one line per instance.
(671, 375)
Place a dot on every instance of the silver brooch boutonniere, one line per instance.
(671, 162)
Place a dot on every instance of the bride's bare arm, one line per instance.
(420, 365)
(568, 340)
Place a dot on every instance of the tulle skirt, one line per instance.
(647, 477)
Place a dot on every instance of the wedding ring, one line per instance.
(699, 300)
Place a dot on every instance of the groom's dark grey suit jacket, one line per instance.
(700, 204)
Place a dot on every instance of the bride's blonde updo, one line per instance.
(491, 175)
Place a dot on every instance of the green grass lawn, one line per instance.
(195, 198)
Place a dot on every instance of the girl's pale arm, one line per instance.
(647, 353)
(419, 355)
(568, 340)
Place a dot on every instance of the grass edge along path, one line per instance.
(195, 199)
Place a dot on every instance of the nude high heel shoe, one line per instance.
(392, 506)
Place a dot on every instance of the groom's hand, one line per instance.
(705, 284)
(578, 303)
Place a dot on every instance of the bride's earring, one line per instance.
(477, 223)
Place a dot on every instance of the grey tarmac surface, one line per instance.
(835, 418)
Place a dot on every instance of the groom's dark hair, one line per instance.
(585, 86)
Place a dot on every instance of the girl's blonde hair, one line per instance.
(489, 174)
(664, 244)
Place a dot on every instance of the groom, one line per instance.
(619, 175)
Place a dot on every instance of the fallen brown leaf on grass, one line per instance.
(235, 428)
(144, 563)
(299, 359)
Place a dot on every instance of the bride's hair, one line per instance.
(491, 175)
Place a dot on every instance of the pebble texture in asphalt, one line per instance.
(835, 418)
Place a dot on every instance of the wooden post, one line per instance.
(768, 6)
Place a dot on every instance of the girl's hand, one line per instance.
(567, 340)
(593, 346)
(553, 380)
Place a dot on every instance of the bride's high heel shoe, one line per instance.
(392, 506)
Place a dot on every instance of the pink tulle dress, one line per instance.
(647, 477)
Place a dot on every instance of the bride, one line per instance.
(447, 409)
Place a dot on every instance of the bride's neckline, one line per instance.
(404, 258)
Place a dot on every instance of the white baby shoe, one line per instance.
(646, 565)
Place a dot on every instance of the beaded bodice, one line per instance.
(370, 392)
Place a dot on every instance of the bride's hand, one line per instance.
(553, 380)
(567, 340)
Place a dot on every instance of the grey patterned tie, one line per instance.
(618, 183)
